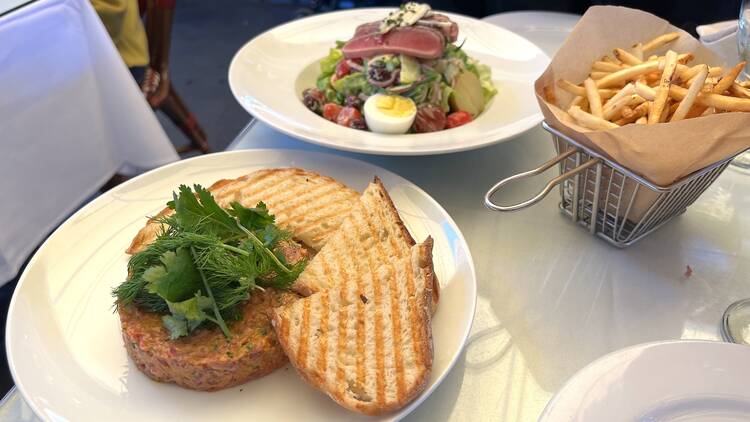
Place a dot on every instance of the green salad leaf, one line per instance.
(353, 84)
(205, 262)
(445, 96)
(328, 64)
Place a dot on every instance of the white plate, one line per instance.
(269, 73)
(63, 339)
(667, 381)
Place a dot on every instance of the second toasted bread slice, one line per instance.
(373, 233)
(367, 342)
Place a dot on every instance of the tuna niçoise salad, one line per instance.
(401, 74)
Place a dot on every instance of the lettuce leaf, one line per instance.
(484, 74)
(353, 84)
(328, 64)
(445, 97)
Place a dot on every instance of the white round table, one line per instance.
(553, 298)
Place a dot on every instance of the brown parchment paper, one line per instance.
(662, 153)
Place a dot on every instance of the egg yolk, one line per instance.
(395, 106)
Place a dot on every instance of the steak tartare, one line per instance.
(206, 360)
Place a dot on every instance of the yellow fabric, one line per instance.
(123, 22)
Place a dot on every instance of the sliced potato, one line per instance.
(467, 94)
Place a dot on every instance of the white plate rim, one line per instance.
(472, 293)
(554, 401)
(277, 122)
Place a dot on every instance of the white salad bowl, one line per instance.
(269, 73)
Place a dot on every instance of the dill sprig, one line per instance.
(205, 261)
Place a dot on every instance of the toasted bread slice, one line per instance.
(367, 342)
(307, 204)
(372, 232)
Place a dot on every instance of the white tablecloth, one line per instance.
(71, 116)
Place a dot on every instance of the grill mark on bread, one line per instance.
(410, 290)
(343, 318)
(361, 319)
(377, 323)
(395, 312)
(323, 349)
(413, 302)
(304, 228)
(285, 196)
(271, 192)
(304, 331)
(294, 204)
(415, 269)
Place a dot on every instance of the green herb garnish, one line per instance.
(205, 262)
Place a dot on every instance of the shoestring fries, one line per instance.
(640, 86)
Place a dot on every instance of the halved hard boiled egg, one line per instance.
(391, 114)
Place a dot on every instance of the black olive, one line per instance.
(313, 99)
(353, 101)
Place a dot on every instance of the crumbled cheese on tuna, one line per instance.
(407, 15)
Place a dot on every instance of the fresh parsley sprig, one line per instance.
(205, 262)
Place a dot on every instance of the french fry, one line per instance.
(666, 110)
(630, 88)
(660, 41)
(611, 60)
(685, 57)
(636, 114)
(603, 66)
(626, 57)
(626, 112)
(685, 73)
(577, 101)
(589, 120)
(645, 91)
(626, 91)
(638, 51)
(690, 96)
(598, 75)
(728, 79)
(592, 94)
(662, 92)
(739, 90)
(720, 102)
(613, 108)
(627, 74)
(581, 91)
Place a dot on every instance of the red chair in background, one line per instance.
(161, 95)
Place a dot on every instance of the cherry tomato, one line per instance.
(331, 111)
(457, 119)
(342, 69)
(350, 117)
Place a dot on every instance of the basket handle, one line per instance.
(551, 184)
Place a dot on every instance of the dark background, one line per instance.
(207, 33)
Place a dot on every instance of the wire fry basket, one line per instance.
(607, 199)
